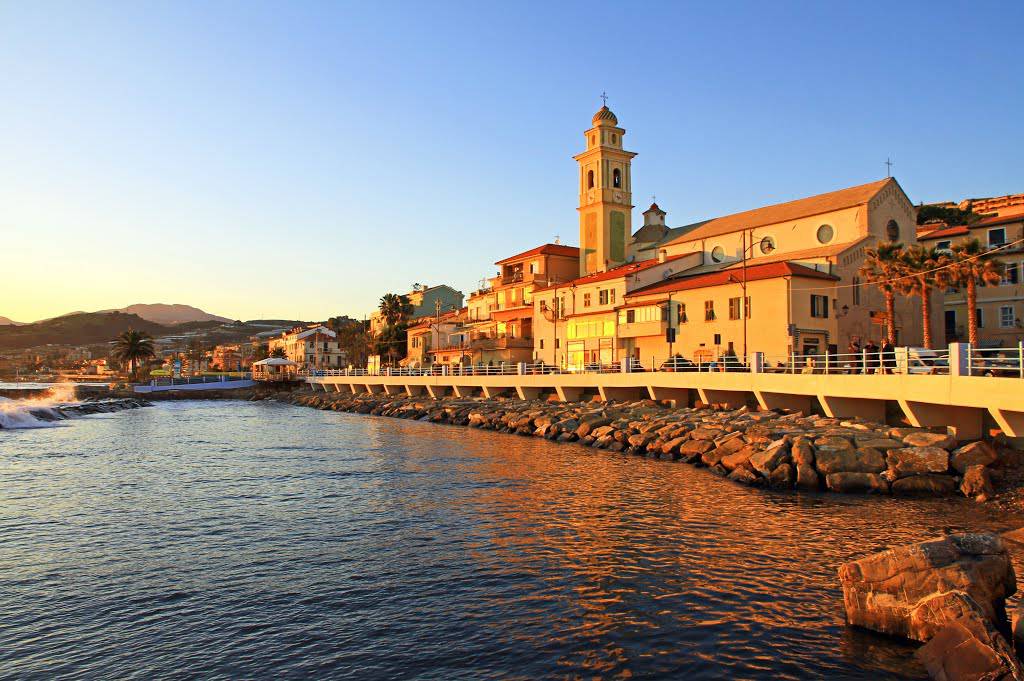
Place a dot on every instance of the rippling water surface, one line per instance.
(230, 540)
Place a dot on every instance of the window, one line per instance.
(825, 234)
(1011, 274)
(734, 308)
(602, 296)
(767, 245)
(856, 290)
(611, 295)
(613, 138)
(616, 178)
(593, 139)
(709, 310)
(981, 317)
(943, 245)
(638, 315)
(586, 300)
(541, 343)
(996, 237)
(682, 313)
(819, 306)
(590, 179)
(718, 254)
(1006, 316)
(892, 230)
(746, 307)
(543, 306)
(630, 316)
(718, 339)
(533, 268)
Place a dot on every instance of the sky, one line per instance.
(299, 160)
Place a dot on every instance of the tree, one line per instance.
(394, 308)
(353, 340)
(882, 265)
(969, 265)
(951, 215)
(279, 353)
(134, 347)
(922, 262)
(392, 342)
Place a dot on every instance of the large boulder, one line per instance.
(970, 649)
(802, 452)
(776, 454)
(738, 458)
(807, 478)
(917, 461)
(882, 592)
(866, 460)
(978, 453)
(926, 439)
(782, 476)
(926, 485)
(847, 483)
(977, 483)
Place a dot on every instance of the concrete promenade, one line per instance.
(966, 404)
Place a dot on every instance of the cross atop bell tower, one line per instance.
(605, 203)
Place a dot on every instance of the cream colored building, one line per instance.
(425, 301)
(813, 301)
(1000, 308)
(312, 347)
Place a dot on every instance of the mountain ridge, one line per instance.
(167, 314)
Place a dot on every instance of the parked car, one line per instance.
(678, 363)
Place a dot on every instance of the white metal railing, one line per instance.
(995, 362)
(200, 379)
(999, 362)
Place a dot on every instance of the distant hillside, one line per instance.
(77, 329)
(163, 313)
(4, 321)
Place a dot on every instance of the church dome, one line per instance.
(605, 117)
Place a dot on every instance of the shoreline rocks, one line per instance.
(949, 593)
(783, 451)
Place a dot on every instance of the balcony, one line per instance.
(500, 342)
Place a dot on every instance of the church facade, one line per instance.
(778, 279)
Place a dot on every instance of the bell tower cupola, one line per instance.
(605, 202)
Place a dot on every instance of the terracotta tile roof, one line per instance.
(546, 249)
(815, 252)
(998, 220)
(754, 273)
(615, 272)
(940, 233)
(784, 212)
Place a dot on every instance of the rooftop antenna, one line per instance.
(888, 167)
(654, 198)
(558, 239)
(604, 98)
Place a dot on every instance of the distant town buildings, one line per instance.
(1000, 308)
(311, 347)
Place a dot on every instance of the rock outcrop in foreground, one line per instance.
(949, 593)
(768, 449)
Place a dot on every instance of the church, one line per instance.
(777, 279)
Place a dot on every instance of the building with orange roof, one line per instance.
(1000, 308)
(812, 302)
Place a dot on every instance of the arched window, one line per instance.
(613, 138)
(892, 230)
(590, 179)
(616, 178)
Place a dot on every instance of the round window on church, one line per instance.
(767, 245)
(825, 234)
(892, 230)
(718, 254)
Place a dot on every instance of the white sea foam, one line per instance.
(39, 412)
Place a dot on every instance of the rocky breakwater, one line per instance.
(757, 448)
(949, 593)
(24, 413)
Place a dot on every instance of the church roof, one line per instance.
(783, 212)
(604, 114)
(720, 278)
(546, 249)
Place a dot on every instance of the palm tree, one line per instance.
(882, 265)
(394, 308)
(969, 265)
(134, 347)
(921, 263)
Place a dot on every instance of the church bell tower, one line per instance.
(605, 195)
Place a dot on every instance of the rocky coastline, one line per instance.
(772, 449)
(59, 412)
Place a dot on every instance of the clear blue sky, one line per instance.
(300, 159)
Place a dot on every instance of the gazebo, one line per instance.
(274, 369)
